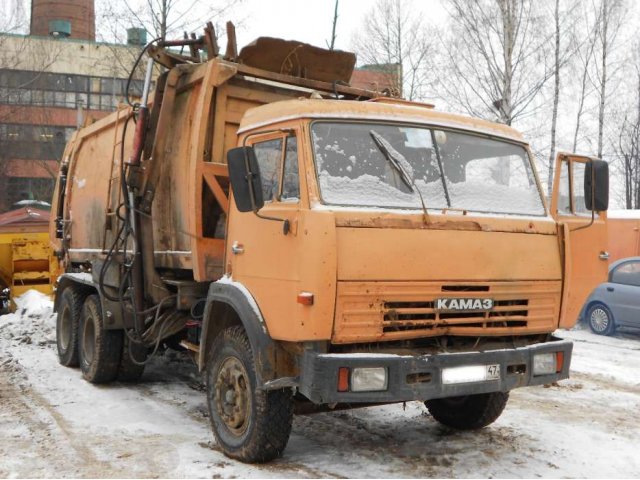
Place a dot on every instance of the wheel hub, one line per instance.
(88, 340)
(233, 395)
(599, 319)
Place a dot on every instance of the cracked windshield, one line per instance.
(378, 165)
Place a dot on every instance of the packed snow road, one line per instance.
(54, 424)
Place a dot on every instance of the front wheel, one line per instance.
(469, 412)
(250, 425)
(600, 319)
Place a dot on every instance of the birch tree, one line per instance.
(628, 147)
(392, 33)
(585, 57)
(556, 95)
(609, 23)
(497, 58)
(566, 45)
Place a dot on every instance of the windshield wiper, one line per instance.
(394, 157)
(397, 160)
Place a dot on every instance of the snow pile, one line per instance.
(33, 303)
(32, 323)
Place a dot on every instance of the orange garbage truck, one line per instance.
(317, 246)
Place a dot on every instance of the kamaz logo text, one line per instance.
(464, 304)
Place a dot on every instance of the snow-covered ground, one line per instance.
(54, 424)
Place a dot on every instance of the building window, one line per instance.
(19, 87)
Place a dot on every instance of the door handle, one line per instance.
(610, 289)
(604, 255)
(237, 248)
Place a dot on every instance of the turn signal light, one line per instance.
(343, 379)
(305, 298)
(559, 361)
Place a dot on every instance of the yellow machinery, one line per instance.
(25, 254)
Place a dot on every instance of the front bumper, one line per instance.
(420, 377)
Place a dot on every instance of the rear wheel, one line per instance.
(469, 412)
(100, 350)
(600, 319)
(69, 313)
(250, 425)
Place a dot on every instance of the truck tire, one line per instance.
(470, 412)
(100, 350)
(67, 322)
(128, 370)
(250, 425)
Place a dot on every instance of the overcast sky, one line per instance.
(311, 21)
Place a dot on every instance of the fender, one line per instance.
(230, 303)
(67, 279)
(112, 311)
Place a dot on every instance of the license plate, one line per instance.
(470, 373)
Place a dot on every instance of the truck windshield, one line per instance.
(451, 169)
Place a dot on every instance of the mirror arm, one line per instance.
(593, 216)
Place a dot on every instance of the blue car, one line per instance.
(616, 302)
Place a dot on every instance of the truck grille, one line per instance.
(403, 316)
(375, 311)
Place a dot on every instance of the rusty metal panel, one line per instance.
(170, 207)
(298, 59)
(92, 164)
(28, 276)
(30, 250)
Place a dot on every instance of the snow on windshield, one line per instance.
(362, 164)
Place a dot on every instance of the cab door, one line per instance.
(263, 251)
(582, 234)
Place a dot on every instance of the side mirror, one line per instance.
(244, 175)
(596, 185)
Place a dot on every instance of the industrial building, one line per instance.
(51, 81)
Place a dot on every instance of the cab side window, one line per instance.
(564, 197)
(278, 161)
(579, 205)
(571, 199)
(269, 154)
(290, 177)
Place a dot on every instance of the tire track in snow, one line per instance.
(48, 430)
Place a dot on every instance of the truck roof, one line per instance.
(383, 109)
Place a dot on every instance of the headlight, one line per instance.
(368, 379)
(544, 364)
